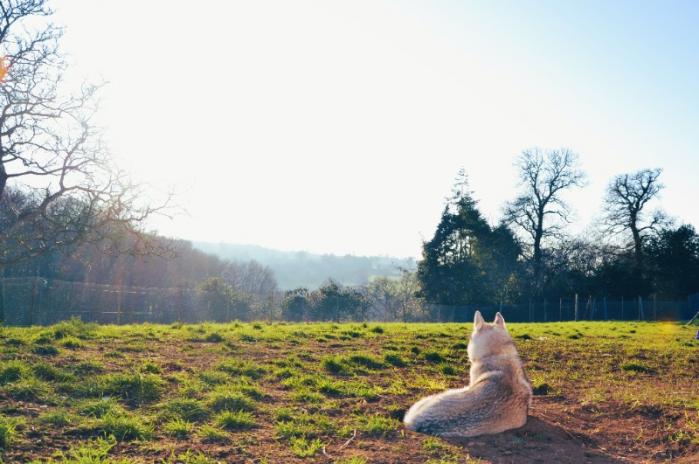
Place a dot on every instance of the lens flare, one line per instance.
(3, 68)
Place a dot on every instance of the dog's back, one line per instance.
(497, 398)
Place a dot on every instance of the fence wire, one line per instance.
(35, 300)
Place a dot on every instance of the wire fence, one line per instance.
(28, 301)
(35, 300)
(575, 308)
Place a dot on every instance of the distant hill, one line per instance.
(302, 269)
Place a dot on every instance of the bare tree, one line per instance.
(57, 185)
(625, 204)
(540, 211)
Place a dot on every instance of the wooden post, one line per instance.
(576, 306)
(640, 308)
(545, 311)
(606, 313)
(655, 307)
(560, 309)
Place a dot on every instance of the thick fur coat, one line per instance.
(498, 395)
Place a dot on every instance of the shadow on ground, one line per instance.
(538, 441)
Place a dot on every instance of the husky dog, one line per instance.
(497, 399)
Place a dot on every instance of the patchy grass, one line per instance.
(278, 392)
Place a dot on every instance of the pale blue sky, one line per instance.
(338, 126)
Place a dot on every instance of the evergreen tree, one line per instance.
(467, 261)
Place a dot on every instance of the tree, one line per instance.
(332, 302)
(466, 261)
(540, 211)
(674, 261)
(56, 180)
(295, 305)
(221, 301)
(625, 204)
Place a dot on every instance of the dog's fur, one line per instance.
(497, 398)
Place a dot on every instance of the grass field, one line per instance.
(293, 393)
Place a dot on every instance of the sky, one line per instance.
(338, 127)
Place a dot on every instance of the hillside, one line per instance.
(302, 269)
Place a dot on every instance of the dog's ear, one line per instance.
(499, 320)
(478, 321)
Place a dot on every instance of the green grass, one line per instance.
(279, 392)
(235, 420)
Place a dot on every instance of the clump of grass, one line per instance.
(59, 418)
(88, 367)
(50, 373)
(336, 365)
(434, 357)
(7, 431)
(447, 369)
(352, 460)
(123, 427)
(235, 421)
(305, 395)
(45, 350)
(100, 408)
(213, 377)
(179, 428)
(377, 329)
(303, 425)
(136, 388)
(150, 367)
(210, 434)
(74, 327)
(72, 343)
(188, 409)
(394, 360)
(242, 368)
(367, 361)
(92, 452)
(377, 426)
(636, 367)
(29, 389)
(12, 371)
(229, 400)
(214, 337)
(304, 448)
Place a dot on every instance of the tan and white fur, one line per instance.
(498, 395)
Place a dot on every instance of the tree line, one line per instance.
(635, 251)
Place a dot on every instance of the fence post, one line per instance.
(560, 309)
(606, 314)
(576, 306)
(545, 311)
(622, 308)
(119, 291)
(33, 301)
(640, 308)
(655, 307)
